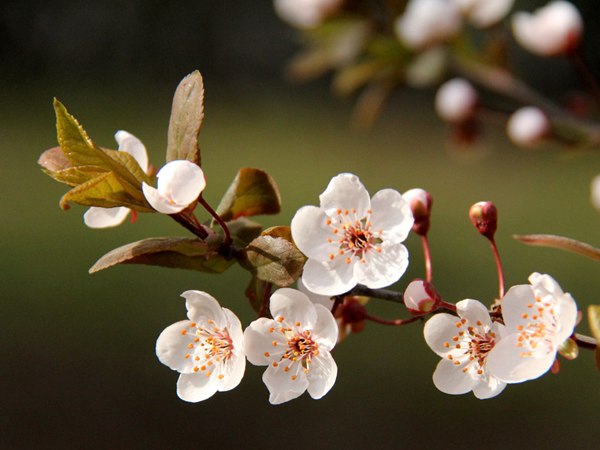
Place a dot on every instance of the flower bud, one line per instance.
(527, 126)
(420, 202)
(455, 101)
(484, 216)
(552, 30)
(428, 22)
(420, 297)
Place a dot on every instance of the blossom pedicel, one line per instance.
(295, 345)
(351, 238)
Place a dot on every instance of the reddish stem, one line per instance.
(498, 267)
(396, 322)
(448, 306)
(213, 213)
(262, 312)
(427, 257)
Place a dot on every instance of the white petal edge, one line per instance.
(346, 192)
(294, 306)
(96, 217)
(328, 279)
(202, 307)
(450, 378)
(196, 387)
(171, 347)
(159, 202)
(128, 143)
(322, 375)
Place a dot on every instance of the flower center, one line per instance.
(209, 347)
(297, 348)
(537, 334)
(354, 236)
(472, 345)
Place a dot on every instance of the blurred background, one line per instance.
(78, 365)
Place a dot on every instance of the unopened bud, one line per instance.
(528, 126)
(484, 217)
(552, 30)
(456, 100)
(420, 202)
(352, 311)
(420, 297)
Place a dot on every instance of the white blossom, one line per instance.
(456, 100)
(527, 126)
(552, 30)
(207, 349)
(539, 317)
(97, 217)
(484, 13)
(428, 22)
(464, 343)
(351, 238)
(306, 13)
(179, 182)
(295, 345)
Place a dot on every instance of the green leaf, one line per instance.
(187, 114)
(560, 242)
(243, 231)
(252, 192)
(274, 258)
(174, 252)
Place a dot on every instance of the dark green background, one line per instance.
(78, 365)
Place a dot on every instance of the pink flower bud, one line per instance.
(552, 30)
(456, 100)
(420, 297)
(528, 126)
(484, 217)
(420, 202)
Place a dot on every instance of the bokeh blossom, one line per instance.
(179, 183)
(551, 30)
(352, 239)
(207, 349)
(295, 345)
(97, 217)
(464, 343)
(539, 317)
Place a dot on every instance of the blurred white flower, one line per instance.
(351, 238)
(428, 22)
(595, 192)
(528, 126)
(538, 318)
(552, 30)
(295, 345)
(306, 13)
(207, 349)
(456, 100)
(427, 68)
(484, 13)
(464, 343)
(96, 217)
(179, 183)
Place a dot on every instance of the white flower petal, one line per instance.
(328, 279)
(159, 202)
(438, 332)
(322, 375)
(325, 331)
(484, 390)
(310, 232)
(595, 192)
(258, 340)
(281, 386)
(171, 347)
(345, 192)
(392, 214)
(450, 378)
(294, 307)
(96, 217)
(128, 143)
(508, 362)
(317, 299)
(475, 312)
(232, 371)
(202, 307)
(516, 302)
(195, 387)
(181, 181)
(382, 269)
(234, 328)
